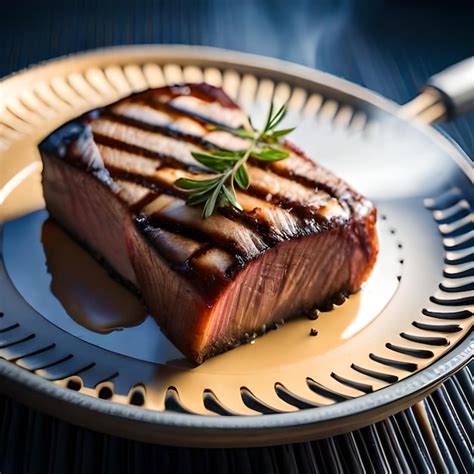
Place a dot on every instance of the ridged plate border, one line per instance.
(14, 131)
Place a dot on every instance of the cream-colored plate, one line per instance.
(401, 322)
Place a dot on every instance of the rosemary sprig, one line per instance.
(230, 166)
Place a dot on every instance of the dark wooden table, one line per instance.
(390, 47)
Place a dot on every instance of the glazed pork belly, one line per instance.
(303, 237)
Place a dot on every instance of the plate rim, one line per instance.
(244, 427)
(197, 52)
(248, 430)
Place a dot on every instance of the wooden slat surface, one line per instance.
(390, 47)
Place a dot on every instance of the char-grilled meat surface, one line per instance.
(303, 237)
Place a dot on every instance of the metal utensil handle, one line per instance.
(446, 95)
(456, 86)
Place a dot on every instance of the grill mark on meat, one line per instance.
(200, 251)
(202, 91)
(124, 161)
(137, 150)
(335, 187)
(150, 182)
(170, 252)
(218, 228)
(162, 145)
(278, 223)
(131, 194)
(154, 182)
(288, 173)
(148, 223)
(206, 125)
(149, 231)
(298, 207)
(252, 222)
(191, 263)
(204, 120)
(249, 220)
(174, 247)
(152, 235)
(154, 217)
(174, 112)
(147, 199)
(304, 193)
(316, 221)
(214, 266)
(222, 242)
(289, 205)
(159, 129)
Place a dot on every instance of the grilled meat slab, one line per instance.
(303, 237)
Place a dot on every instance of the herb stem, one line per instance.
(244, 158)
(219, 188)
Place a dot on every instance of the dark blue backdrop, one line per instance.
(388, 46)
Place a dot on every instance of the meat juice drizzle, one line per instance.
(84, 287)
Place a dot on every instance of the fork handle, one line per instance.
(455, 86)
(446, 95)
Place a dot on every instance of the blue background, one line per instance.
(390, 47)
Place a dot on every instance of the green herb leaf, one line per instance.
(197, 199)
(270, 154)
(242, 177)
(240, 132)
(282, 132)
(215, 162)
(269, 118)
(211, 201)
(251, 125)
(278, 117)
(188, 184)
(230, 196)
(228, 153)
(231, 165)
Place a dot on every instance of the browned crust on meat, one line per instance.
(287, 201)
